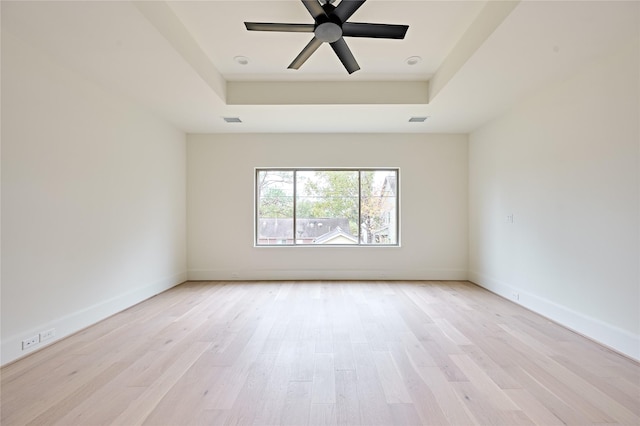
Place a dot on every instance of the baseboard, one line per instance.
(11, 347)
(325, 274)
(608, 335)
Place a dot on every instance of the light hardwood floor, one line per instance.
(297, 353)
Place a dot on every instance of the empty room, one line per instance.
(338, 212)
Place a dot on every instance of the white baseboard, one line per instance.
(325, 274)
(11, 347)
(619, 340)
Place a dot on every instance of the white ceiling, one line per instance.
(176, 59)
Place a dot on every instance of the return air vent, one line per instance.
(232, 119)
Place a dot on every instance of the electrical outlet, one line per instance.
(46, 335)
(235, 275)
(31, 341)
(515, 295)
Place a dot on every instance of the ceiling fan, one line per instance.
(331, 26)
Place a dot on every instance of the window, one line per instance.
(326, 207)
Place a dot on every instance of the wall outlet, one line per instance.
(235, 275)
(31, 341)
(515, 295)
(46, 335)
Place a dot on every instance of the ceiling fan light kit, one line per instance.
(331, 27)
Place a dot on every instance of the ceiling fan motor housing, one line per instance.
(328, 27)
(328, 32)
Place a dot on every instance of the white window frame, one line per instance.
(294, 170)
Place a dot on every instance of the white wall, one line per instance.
(433, 197)
(565, 163)
(93, 200)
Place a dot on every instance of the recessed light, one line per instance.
(232, 119)
(417, 119)
(413, 60)
(242, 60)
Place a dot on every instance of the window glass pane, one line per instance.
(274, 196)
(378, 207)
(327, 207)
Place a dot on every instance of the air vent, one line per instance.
(232, 119)
(417, 119)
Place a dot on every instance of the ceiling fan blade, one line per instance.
(345, 55)
(305, 54)
(314, 8)
(358, 29)
(272, 26)
(346, 8)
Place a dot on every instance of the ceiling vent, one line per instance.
(417, 119)
(232, 119)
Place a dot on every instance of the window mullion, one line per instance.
(295, 199)
(359, 207)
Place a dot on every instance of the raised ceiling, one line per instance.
(176, 59)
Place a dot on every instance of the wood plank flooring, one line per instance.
(326, 353)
